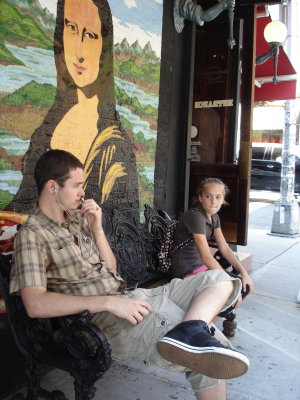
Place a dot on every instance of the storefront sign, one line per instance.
(215, 103)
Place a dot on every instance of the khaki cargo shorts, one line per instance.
(168, 306)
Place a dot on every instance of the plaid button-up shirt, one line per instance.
(59, 257)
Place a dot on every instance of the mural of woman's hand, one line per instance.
(109, 170)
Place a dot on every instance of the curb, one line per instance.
(264, 200)
(261, 200)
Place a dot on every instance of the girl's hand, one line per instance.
(247, 281)
(238, 302)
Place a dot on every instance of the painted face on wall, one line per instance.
(82, 40)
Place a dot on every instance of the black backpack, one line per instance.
(167, 249)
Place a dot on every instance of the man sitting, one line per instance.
(63, 265)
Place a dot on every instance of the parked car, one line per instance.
(266, 167)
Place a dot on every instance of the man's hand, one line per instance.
(133, 310)
(93, 213)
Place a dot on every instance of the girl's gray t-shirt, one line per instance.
(186, 259)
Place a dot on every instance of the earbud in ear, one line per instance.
(53, 188)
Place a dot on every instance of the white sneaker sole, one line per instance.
(215, 362)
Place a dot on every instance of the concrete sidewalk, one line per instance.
(266, 196)
(268, 332)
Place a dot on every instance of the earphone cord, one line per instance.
(86, 239)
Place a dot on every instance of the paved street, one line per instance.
(268, 330)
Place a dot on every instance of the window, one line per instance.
(258, 153)
(276, 153)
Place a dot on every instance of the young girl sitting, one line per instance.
(202, 224)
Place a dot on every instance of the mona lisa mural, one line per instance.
(84, 78)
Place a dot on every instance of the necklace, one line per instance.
(85, 238)
(82, 236)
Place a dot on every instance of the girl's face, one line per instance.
(82, 40)
(212, 198)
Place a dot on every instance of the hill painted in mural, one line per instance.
(33, 93)
(42, 16)
(138, 65)
(21, 29)
(147, 113)
(25, 109)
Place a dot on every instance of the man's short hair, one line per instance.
(56, 165)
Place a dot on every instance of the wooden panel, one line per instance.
(216, 92)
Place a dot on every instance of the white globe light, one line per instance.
(275, 31)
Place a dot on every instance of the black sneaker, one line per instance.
(191, 345)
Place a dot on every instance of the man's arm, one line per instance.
(94, 216)
(39, 303)
(105, 250)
